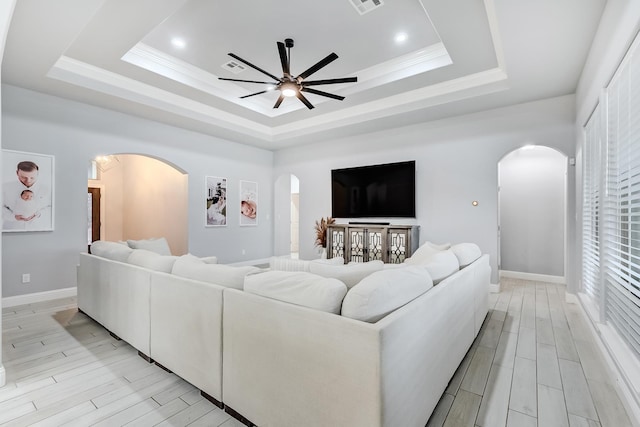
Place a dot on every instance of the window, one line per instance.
(611, 220)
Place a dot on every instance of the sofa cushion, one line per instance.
(425, 251)
(288, 264)
(152, 260)
(441, 265)
(350, 274)
(300, 288)
(159, 246)
(111, 250)
(205, 260)
(385, 291)
(466, 253)
(218, 274)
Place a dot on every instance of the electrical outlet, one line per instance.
(244, 252)
(26, 278)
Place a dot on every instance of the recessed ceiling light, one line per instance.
(400, 37)
(178, 42)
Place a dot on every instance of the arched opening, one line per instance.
(138, 197)
(532, 206)
(295, 216)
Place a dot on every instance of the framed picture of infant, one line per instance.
(27, 191)
(248, 203)
(216, 201)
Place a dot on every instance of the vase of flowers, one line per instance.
(321, 227)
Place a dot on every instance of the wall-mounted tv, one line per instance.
(376, 191)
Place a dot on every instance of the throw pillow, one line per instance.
(218, 274)
(385, 291)
(152, 260)
(299, 288)
(111, 250)
(349, 274)
(466, 253)
(441, 265)
(159, 246)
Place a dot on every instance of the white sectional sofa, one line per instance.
(375, 348)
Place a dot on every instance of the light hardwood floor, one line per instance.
(534, 363)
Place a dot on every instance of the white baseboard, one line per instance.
(494, 288)
(571, 298)
(624, 366)
(39, 297)
(533, 276)
(3, 376)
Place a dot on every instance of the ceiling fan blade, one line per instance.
(254, 67)
(304, 100)
(320, 64)
(330, 81)
(253, 94)
(284, 59)
(246, 81)
(279, 101)
(319, 92)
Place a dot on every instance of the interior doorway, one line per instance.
(532, 205)
(295, 216)
(93, 215)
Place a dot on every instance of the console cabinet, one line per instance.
(367, 242)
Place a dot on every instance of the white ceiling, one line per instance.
(460, 56)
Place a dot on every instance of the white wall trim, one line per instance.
(494, 288)
(571, 298)
(39, 297)
(533, 276)
(624, 367)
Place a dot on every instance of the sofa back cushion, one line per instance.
(385, 291)
(111, 250)
(159, 246)
(466, 253)
(441, 265)
(152, 260)
(349, 274)
(218, 274)
(300, 288)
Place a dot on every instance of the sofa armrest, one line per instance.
(186, 330)
(284, 362)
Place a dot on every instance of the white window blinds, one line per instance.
(620, 219)
(591, 207)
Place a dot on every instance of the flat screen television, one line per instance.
(376, 191)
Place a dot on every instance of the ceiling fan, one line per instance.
(288, 85)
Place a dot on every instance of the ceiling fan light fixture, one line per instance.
(289, 89)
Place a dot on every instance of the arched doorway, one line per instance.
(532, 216)
(140, 197)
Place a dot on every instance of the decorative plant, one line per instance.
(321, 230)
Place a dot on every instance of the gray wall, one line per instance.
(456, 161)
(532, 211)
(75, 133)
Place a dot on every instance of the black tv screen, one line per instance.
(375, 191)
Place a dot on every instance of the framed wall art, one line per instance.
(27, 191)
(248, 203)
(216, 201)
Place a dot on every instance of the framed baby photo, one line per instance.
(216, 201)
(27, 191)
(248, 203)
